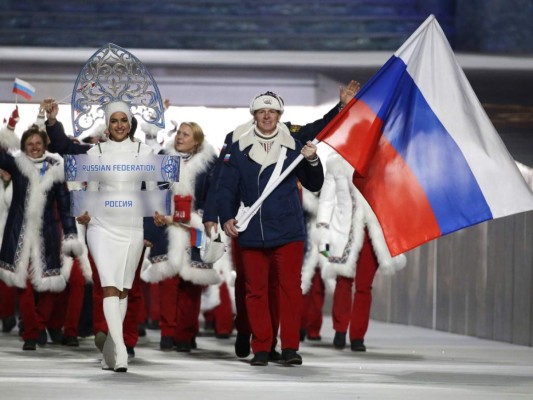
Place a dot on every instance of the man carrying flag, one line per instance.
(23, 88)
(426, 156)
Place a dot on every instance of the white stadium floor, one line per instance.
(402, 362)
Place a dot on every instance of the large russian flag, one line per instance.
(427, 158)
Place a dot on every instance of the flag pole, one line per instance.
(64, 98)
(245, 218)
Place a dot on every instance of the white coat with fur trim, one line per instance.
(343, 213)
(178, 259)
(312, 259)
(24, 254)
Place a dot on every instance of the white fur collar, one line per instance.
(284, 138)
(197, 164)
(257, 152)
(54, 173)
(242, 129)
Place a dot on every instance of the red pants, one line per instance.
(136, 313)
(222, 315)
(357, 315)
(242, 324)
(151, 300)
(283, 266)
(35, 317)
(179, 304)
(135, 306)
(313, 302)
(7, 300)
(68, 304)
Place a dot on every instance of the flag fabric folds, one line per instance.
(23, 88)
(427, 158)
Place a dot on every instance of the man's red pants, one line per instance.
(357, 315)
(179, 305)
(313, 302)
(35, 317)
(242, 324)
(281, 265)
(68, 304)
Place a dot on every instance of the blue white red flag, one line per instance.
(427, 158)
(23, 88)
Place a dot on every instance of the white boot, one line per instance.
(108, 353)
(123, 307)
(113, 318)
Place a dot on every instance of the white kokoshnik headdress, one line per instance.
(112, 74)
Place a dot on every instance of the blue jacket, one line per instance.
(301, 132)
(280, 219)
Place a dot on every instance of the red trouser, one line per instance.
(223, 314)
(136, 313)
(34, 317)
(7, 300)
(68, 304)
(282, 264)
(168, 305)
(358, 314)
(179, 304)
(135, 301)
(313, 302)
(151, 300)
(242, 324)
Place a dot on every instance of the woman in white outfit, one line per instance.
(116, 244)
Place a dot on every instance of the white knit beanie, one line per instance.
(269, 100)
(116, 106)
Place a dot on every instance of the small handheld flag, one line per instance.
(23, 88)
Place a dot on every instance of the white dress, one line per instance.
(116, 244)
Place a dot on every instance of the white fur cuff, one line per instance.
(71, 246)
(8, 139)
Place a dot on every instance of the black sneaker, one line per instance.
(339, 341)
(274, 355)
(209, 326)
(42, 338)
(99, 340)
(316, 338)
(290, 356)
(29, 344)
(56, 335)
(242, 345)
(222, 335)
(131, 352)
(141, 330)
(183, 347)
(358, 345)
(153, 325)
(71, 341)
(166, 343)
(303, 333)
(260, 359)
(8, 323)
